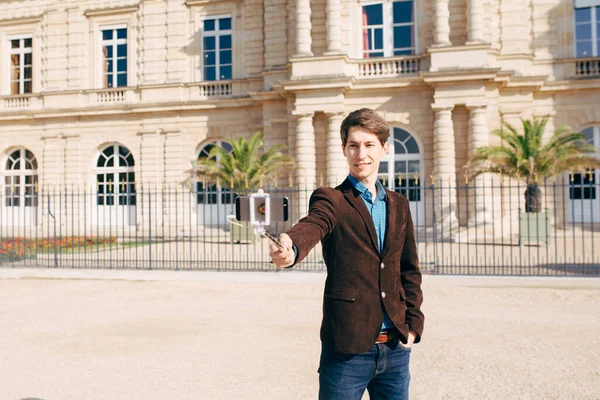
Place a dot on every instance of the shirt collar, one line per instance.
(381, 194)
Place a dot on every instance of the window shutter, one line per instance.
(586, 3)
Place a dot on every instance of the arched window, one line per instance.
(401, 169)
(212, 193)
(21, 179)
(115, 177)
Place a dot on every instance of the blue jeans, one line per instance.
(383, 371)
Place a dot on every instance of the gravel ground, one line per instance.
(68, 334)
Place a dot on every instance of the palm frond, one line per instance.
(245, 167)
(525, 156)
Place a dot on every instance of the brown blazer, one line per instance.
(357, 275)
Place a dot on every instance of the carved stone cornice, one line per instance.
(21, 18)
(123, 7)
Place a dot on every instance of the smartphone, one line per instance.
(278, 208)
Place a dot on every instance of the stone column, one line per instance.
(441, 34)
(481, 189)
(303, 27)
(475, 18)
(334, 27)
(337, 168)
(305, 162)
(444, 170)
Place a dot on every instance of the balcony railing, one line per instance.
(16, 102)
(389, 67)
(149, 95)
(216, 89)
(110, 96)
(587, 67)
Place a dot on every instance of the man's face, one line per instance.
(363, 152)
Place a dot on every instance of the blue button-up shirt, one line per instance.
(378, 209)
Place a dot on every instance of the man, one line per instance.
(372, 301)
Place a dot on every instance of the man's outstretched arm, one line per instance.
(309, 231)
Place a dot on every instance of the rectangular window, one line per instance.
(217, 48)
(409, 188)
(372, 18)
(12, 190)
(206, 194)
(114, 57)
(21, 187)
(106, 189)
(31, 196)
(388, 29)
(21, 65)
(404, 27)
(587, 31)
(127, 189)
(583, 186)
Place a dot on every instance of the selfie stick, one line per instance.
(260, 222)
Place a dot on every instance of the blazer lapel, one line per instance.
(358, 203)
(392, 220)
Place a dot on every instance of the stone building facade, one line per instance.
(118, 95)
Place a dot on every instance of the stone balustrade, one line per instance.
(389, 67)
(587, 67)
(110, 96)
(215, 89)
(78, 100)
(16, 102)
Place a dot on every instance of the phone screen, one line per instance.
(278, 208)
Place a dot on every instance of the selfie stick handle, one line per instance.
(262, 232)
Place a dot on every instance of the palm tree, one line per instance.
(245, 167)
(526, 158)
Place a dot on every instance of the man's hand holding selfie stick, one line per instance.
(284, 256)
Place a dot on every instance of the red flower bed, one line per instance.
(17, 248)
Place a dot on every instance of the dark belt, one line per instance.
(387, 336)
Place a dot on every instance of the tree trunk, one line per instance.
(533, 196)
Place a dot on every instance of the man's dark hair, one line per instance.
(367, 119)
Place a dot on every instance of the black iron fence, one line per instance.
(480, 228)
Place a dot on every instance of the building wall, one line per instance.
(523, 67)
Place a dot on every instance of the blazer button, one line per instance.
(382, 265)
(383, 295)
